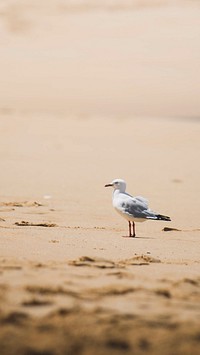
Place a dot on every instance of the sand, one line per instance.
(92, 91)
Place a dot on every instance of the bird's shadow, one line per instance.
(127, 237)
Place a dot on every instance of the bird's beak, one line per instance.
(108, 185)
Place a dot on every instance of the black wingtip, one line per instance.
(160, 217)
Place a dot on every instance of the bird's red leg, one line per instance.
(133, 229)
(129, 223)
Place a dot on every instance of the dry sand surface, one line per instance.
(92, 91)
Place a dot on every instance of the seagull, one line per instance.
(133, 209)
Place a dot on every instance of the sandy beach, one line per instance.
(92, 91)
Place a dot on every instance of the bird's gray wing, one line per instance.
(137, 207)
(143, 200)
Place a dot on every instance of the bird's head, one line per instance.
(117, 184)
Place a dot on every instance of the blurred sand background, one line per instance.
(91, 91)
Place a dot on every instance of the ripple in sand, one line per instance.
(21, 204)
(93, 262)
(140, 260)
(30, 224)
